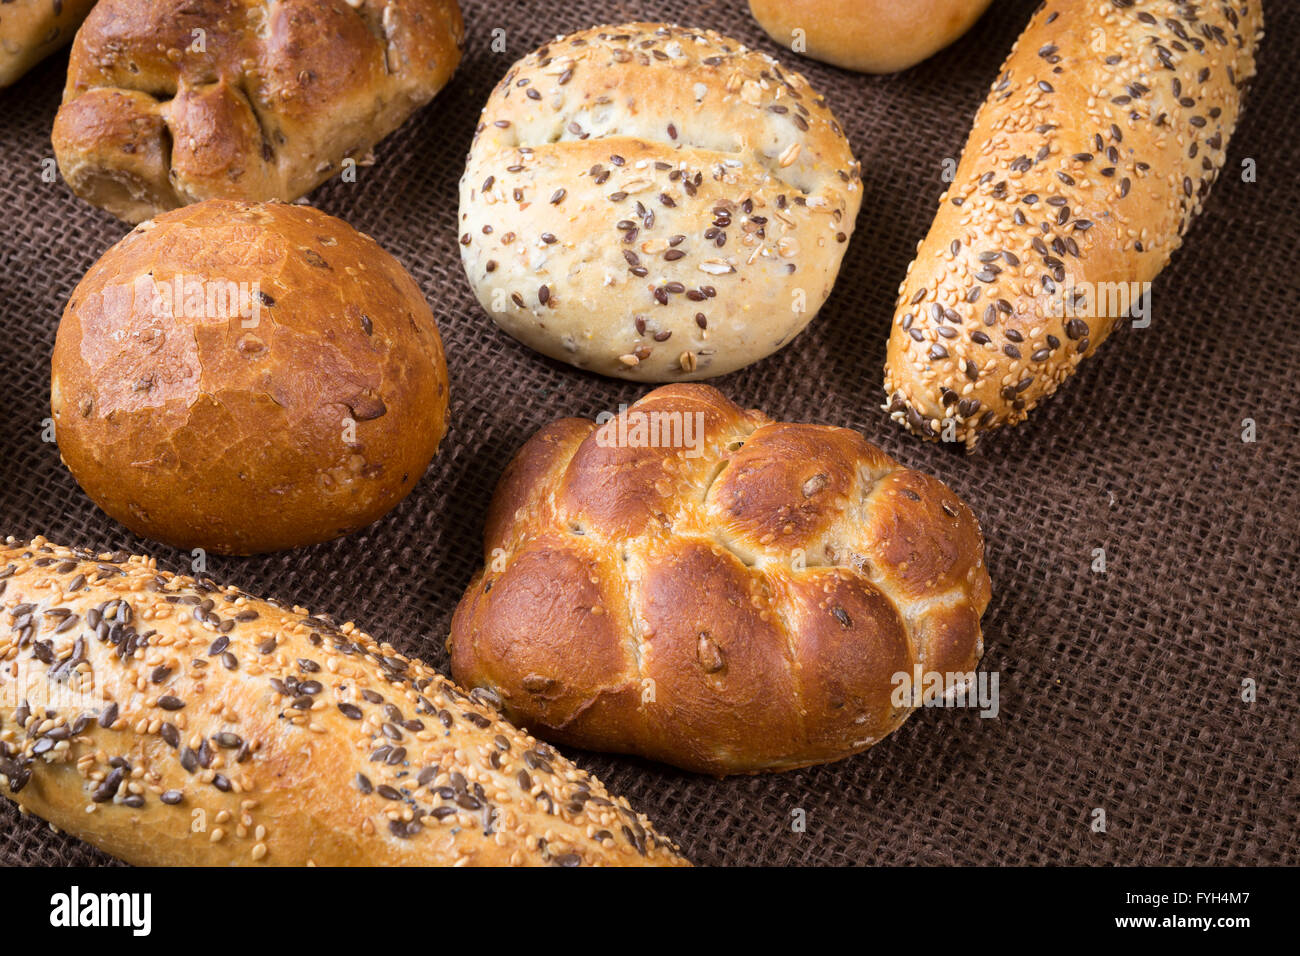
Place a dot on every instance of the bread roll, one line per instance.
(704, 586)
(30, 30)
(173, 722)
(1087, 164)
(655, 203)
(246, 377)
(870, 36)
(171, 102)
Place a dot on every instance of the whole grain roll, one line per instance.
(870, 36)
(173, 722)
(655, 203)
(1087, 164)
(246, 377)
(704, 586)
(30, 30)
(170, 102)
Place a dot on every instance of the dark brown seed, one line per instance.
(351, 711)
(168, 702)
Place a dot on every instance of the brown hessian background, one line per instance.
(1119, 690)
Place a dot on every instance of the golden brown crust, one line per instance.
(30, 30)
(174, 722)
(240, 99)
(308, 416)
(1094, 152)
(870, 36)
(741, 609)
(655, 203)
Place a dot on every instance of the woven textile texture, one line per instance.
(1120, 691)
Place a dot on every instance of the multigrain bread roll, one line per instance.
(171, 102)
(173, 722)
(870, 36)
(704, 586)
(655, 203)
(30, 30)
(1095, 150)
(246, 377)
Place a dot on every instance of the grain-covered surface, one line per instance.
(1120, 691)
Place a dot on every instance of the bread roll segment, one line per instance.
(738, 603)
(170, 721)
(1093, 153)
(655, 203)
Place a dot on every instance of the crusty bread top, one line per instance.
(230, 431)
(299, 739)
(1094, 151)
(170, 102)
(646, 198)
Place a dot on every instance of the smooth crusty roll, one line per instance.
(871, 36)
(173, 722)
(30, 30)
(655, 203)
(736, 599)
(1095, 150)
(246, 377)
(170, 102)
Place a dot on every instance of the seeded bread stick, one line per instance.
(1095, 150)
(170, 721)
(30, 30)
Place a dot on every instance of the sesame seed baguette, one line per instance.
(1095, 150)
(170, 721)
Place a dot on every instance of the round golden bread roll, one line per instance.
(870, 36)
(655, 203)
(246, 377)
(704, 586)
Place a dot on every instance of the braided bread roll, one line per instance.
(170, 721)
(741, 609)
(1096, 148)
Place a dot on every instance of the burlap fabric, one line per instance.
(1119, 691)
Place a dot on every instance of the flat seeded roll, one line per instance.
(704, 586)
(30, 30)
(173, 722)
(170, 102)
(247, 377)
(871, 36)
(655, 203)
(1094, 152)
